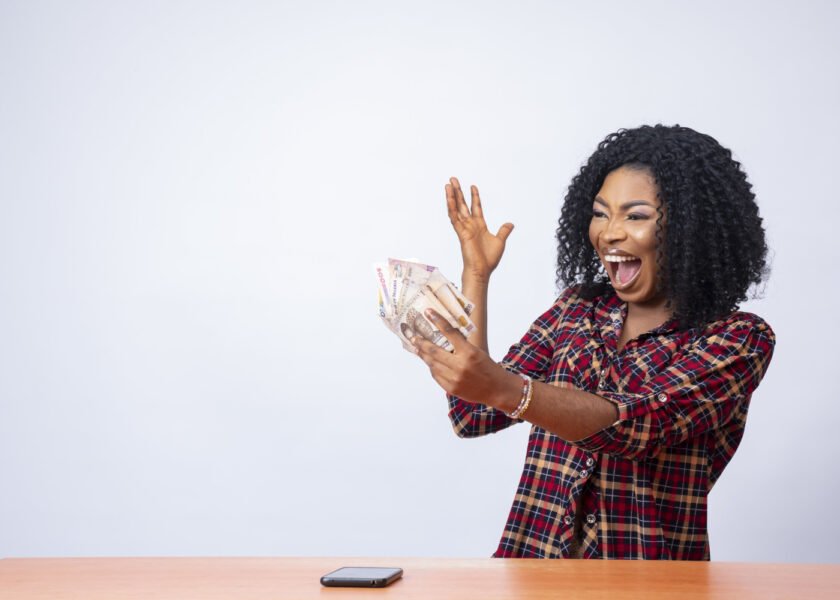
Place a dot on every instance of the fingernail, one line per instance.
(430, 313)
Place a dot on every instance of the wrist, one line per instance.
(508, 392)
(475, 278)
(474, 288)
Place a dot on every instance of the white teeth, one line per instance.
(611, 258)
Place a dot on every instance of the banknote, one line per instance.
(450, 296)
(408, 276)
(385, 303)
(406, 289)
(413, 322)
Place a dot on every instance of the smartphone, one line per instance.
(361, 577)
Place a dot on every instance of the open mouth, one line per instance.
(623, 269)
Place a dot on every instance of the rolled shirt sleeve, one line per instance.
(703, 389)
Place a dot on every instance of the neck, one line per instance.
(650, 314)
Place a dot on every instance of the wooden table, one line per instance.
(430, 579)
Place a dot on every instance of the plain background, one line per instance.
(193, 194)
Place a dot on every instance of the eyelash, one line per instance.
(631, 216)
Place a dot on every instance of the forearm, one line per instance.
(475, 289)
(470, 374)
(569, 413)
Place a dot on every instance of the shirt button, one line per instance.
(662, 397)
(602, 384)
(568, 519)
(584, 473)
(590, 461)
(603, 372)
(590, 519)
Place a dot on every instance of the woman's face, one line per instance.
(623, 233)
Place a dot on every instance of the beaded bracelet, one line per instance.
(525, 401)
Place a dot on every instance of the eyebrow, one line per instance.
(626, 205)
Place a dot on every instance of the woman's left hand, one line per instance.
(468, 372)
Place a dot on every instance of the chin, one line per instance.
(636, 296)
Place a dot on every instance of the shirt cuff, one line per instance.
(617, 437)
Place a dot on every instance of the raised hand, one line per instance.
(480, 249)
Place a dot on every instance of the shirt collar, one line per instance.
(609, 315)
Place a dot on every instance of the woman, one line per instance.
(637, 380)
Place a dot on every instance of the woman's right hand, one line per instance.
(480, 249)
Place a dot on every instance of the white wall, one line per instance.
(192, 193)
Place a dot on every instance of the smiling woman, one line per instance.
(713, 248)
(638, 379)
(623, 232)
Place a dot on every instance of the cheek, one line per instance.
(593, 234)
(645, 240)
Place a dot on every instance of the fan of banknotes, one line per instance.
(406, 289)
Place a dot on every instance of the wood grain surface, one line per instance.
(430, 579)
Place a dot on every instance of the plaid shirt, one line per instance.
(638, 488)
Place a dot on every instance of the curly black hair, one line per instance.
(711, 249)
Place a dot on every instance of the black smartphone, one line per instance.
(361, 577)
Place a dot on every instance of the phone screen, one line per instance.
(362, 576)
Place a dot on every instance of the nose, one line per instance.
(613, 231)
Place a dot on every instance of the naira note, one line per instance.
(408, 275)
(413, 322)
(386, 306)
(453, 301)
(407, 289)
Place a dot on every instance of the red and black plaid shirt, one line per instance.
(638, 488)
